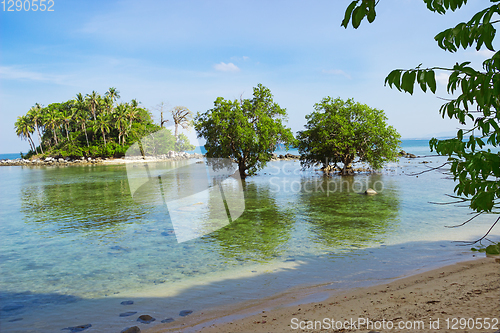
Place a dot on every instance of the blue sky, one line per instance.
(190, 52)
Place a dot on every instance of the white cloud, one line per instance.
(336, 72)
(442, 79)
(13, 73)
(243, 58)
(223, 67)
(485, 53)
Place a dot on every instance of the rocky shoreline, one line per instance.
(54, 161)
(170, 156)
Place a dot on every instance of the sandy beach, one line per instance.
(464, 297)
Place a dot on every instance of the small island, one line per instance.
(93, 127)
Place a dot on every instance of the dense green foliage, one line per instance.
(475, 102)
(493, 249)
(90, 126)
(246, 130)
(341, 131)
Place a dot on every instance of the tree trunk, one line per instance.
(55, 136)
(32, 144)
(39, 137)
(85, 130)
(242, 168)
(346, 161)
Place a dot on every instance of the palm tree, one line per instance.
(93, 101)
(66, 115)
(35, 114)
(102, 124)
(80, 114)
(133, 112)
(24, 129)
(53, 119)
(113, 94)
(182, 116)
(120, 116)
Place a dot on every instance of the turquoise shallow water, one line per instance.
(75, 243)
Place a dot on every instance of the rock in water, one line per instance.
(16, 319)
(168, 320)
(13, 307)
(78, 328)
(126, 314)
(184, 313)
(133, 329)
(127, 303)
(145, 319)
(370, 192)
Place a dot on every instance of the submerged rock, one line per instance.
(127, 303)
(145, 319)
(78, 328)
(119, 248)
(133, 329)
(13, 307)
(16, 319)
(184, 313)
(127, 314)
(168, 320)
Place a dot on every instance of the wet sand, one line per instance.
(432, 301)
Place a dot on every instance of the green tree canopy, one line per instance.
(88, 126)
(475, 103)
(340, 131)
(246, 130)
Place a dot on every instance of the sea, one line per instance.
(94, 245)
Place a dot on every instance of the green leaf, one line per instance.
(493, 249)
(371, 11)
(430, 78)
(348, 13)
(357, 16)
(394, 78)
(408, 81)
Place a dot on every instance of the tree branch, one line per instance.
(480, 239)
(429, 170)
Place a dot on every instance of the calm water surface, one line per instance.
(75, 244)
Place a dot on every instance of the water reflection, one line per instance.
(346, 217)
(263, 229)
(78, 199)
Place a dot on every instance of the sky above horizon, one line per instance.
(191, 52)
